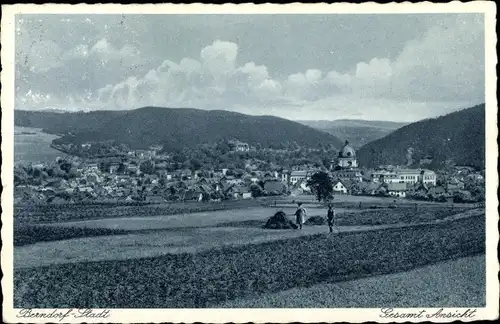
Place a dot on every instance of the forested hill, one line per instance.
(458, 137)
(64, 122)
(179, 128)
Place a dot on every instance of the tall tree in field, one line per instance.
(322, 185)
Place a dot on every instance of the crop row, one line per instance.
(208, 278)
(29, 234)
(406, 215)
(48, 214)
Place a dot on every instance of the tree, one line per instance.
(104, 167)
(121, 168)
(20, 176)
(195, 164)
(462, 197)
(147, 167)
(256, 190)
(65, 166)
(322, 185)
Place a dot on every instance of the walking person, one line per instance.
(300, 215)
(330, 217)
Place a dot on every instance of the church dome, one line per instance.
(347, 151)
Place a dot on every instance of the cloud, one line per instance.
(219, 59)
(446, 64)
(105, 51)
(213, 79)
(44, 67)
(441, 68)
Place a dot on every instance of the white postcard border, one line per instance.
(354, 315)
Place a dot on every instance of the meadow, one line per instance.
(461, 283)
(49, 213)
(402, 215)
(51, 223)
(207, 278)
(133, 237)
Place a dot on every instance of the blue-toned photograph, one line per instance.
(250, 161)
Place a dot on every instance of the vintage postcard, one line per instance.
(249, 163)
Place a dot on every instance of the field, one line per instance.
(209, 258)
(461, 283)
(49, 213)
(135, 237)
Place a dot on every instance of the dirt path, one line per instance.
(168, 240)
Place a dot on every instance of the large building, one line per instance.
(409, 176)
(345, 167)
(238, 146)
(297, 176)
(348, 174)
(346, 159)
(384, 176)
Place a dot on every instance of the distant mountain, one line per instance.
(57, 122)
(175, 128)
(458, 138)
(357, 131)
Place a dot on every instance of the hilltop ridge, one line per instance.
(458, 138)
(174, 128)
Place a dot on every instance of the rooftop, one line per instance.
(394, 186)
(300, 173)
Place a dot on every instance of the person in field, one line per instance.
(330, 217)
(300, 215)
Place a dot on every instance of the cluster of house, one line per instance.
(94, 183)
(349, 181)
(124, 180)
(348, 178)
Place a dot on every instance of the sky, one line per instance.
(301, 67)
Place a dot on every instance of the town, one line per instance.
(103, 172)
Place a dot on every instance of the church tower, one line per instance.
(347, 157)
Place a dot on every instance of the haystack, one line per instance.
(280, 221)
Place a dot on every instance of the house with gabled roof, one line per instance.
(369, 188)
(396, 189)
(301, 186)
(206, 189)
(193, 195)
(339, 187)
(275, 186)
(241, 192)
